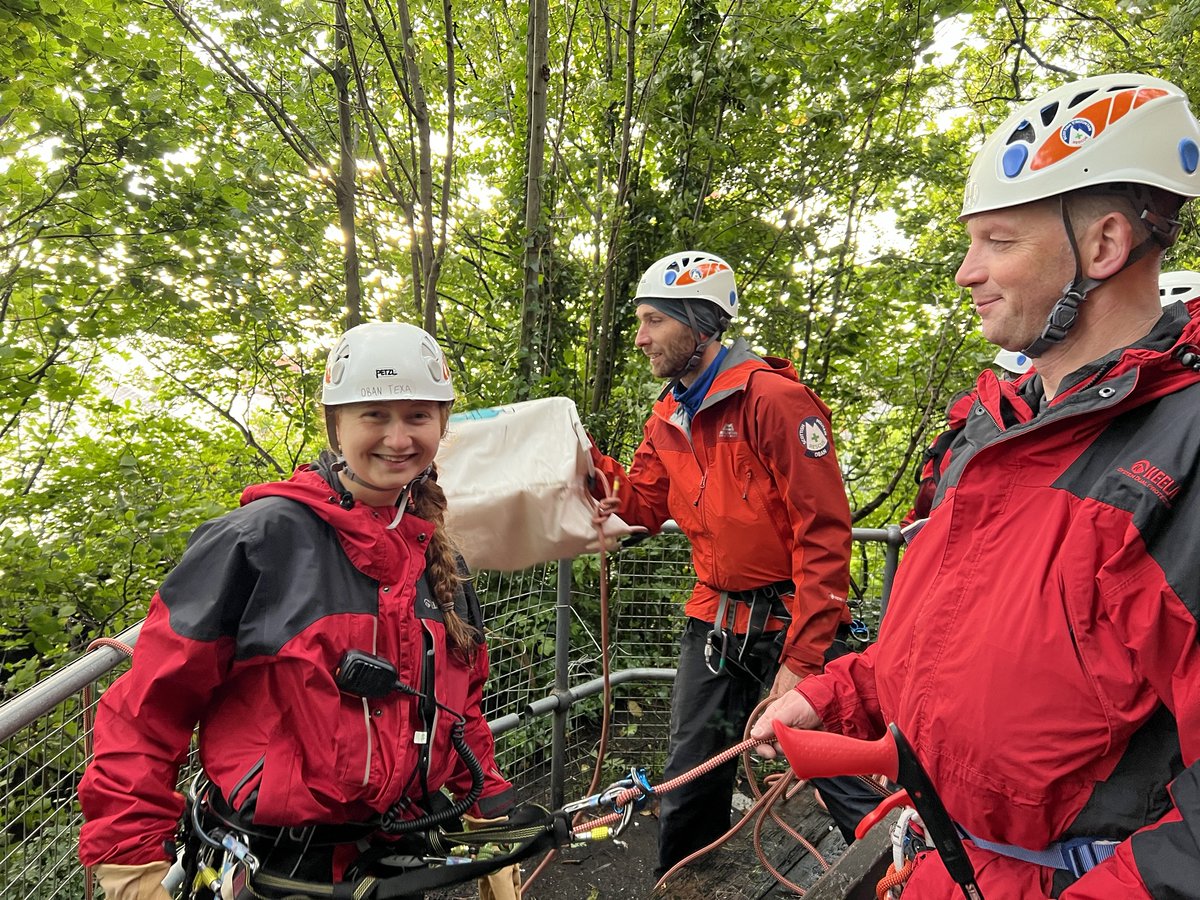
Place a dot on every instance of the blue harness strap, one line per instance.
(1076, 855)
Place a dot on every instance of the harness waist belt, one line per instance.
(1076, 855)
(767, 592)
(313, 835)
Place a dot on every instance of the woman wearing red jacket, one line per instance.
(248, 635)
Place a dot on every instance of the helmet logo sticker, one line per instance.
(1090, 123)
(695, 274)
(1077, 132)
(814, 437)
(385, 373)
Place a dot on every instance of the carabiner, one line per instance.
(723, 636)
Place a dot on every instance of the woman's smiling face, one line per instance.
(388, 443)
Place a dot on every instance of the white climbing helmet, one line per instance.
(1013, 361)
(386, 361)
(1110, 128)
(1178, 286)
(691, 275)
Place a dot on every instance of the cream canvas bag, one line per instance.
(515, 479)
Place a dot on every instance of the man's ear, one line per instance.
(1106, 245)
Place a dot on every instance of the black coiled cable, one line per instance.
(390, 821)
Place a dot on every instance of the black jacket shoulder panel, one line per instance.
(262, 574)
(1146, 462)
(1168, 857)
(466, 601)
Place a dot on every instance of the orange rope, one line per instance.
(781, 785)
(892, 879)
(602, 748)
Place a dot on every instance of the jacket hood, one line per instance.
(362, 530)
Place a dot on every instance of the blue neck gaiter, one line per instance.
(691, 397)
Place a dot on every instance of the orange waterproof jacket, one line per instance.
(754, 483)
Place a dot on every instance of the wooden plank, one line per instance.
(860, 868)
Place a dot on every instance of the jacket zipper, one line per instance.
(370, 743)
(746, 492)
(1007, 434)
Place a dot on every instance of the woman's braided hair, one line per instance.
(428, 501)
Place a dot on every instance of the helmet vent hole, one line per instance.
(1049, 111)
(1079, 98)
(1023, 132)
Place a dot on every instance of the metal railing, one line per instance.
(542, 699)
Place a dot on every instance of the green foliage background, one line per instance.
(172, 269)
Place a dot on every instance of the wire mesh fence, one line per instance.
(42, 760)
(647, 586)
(39, 772)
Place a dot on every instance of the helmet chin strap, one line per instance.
(347, 499)
(342, 466)
(702, 344)
(1065, 311)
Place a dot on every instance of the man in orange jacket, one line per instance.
(739, 453)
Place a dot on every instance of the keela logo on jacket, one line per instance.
(1152, 477)
(727, 432)
(814, 437)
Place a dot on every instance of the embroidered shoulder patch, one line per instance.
(814, 437)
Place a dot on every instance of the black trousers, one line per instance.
(708, 714)
(848, 800)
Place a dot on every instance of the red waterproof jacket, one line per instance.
(754, 484)
(243, 637)
(937, 457)
(1040, 647)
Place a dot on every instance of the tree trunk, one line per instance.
(605, 350)
(420, 113)
(345, 187)
(537, 70)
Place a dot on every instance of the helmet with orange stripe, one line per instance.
(1112, 128)
(1129, 136)
(688, 276)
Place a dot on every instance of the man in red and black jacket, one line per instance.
(1040, 650)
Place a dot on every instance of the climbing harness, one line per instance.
(216, 853)
(816, 754)
(1075, 855)
(724, 650)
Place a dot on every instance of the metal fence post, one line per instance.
(562, 659)
(891, 560)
